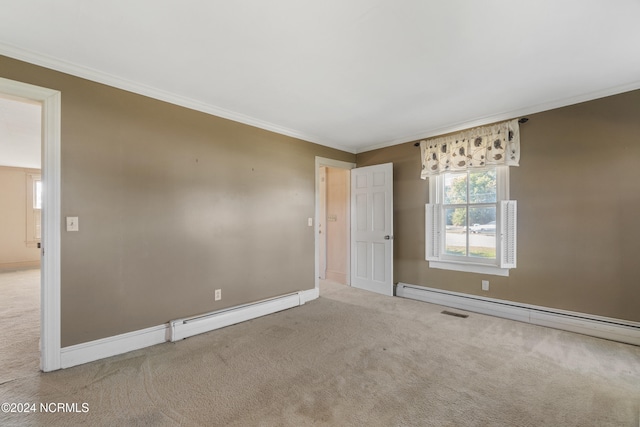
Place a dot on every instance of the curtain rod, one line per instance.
(522, 120)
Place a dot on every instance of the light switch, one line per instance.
(72, 223)
(310, 222)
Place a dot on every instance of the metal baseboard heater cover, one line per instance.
(597, 326)
(183, 328)
(179, 329)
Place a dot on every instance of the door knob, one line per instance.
(387, 237)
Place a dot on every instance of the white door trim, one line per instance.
(339, 164)
(51, 217)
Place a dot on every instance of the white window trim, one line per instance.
(505, 259)
(470, 268)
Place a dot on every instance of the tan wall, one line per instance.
(337, 224)
(14, 252)
(578, 193)
(172, 204)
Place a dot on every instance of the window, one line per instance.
(37, 193)
(470, 223)
(34, 210)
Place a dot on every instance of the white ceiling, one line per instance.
(355, 74)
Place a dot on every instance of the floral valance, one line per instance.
(497, 144)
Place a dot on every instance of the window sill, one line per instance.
(470, 268)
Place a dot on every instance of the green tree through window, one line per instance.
(481, 189)
(470, 204)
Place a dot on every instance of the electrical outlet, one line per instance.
(485, 285)
(218, 294)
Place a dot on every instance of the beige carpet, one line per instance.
(20, 317)
(351, 358)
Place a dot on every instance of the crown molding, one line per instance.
(172, 98)
(159, 94)
(538, 108)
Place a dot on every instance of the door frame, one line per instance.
(51, 216)
(330, 163)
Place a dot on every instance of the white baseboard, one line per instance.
(178, 329)
(23, 265)
(309, 295)
(597, 326)
(112, 346)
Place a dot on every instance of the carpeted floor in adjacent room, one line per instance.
(349, 358)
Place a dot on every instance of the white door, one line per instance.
(372, 228)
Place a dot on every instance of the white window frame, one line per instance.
(506, 227)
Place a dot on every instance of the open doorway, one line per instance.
(333, 225)
(370, 242)
(333, 219)
(49, 278)
(20, 235)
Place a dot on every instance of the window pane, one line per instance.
(37, 194)
(37, 224)
(482, 187)
(455, 232)
(455, 188)
(482, 236)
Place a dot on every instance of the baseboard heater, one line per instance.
(183, 328)
(597, 326)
